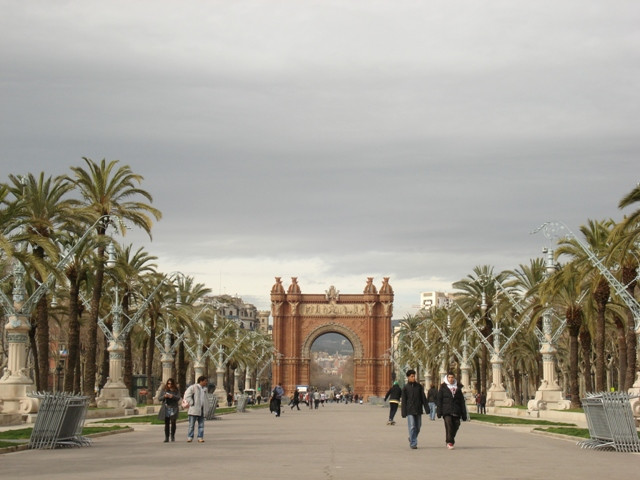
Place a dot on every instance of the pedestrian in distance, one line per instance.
(393, 395)
(169, 396)
(198, 401)
(276, 399)
(295, 399)
(483, 403)
(451, 406)
(432, 396)
(414, 402)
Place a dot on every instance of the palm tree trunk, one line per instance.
(629, 273)
(34, 352)
(42, 342)
(73, 336)
(574, 389)
(585, 342)
(92, 346)
(622, 350)
(601, 297)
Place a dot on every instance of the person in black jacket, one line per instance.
(414, 401)
(393, 395)
(451, 406)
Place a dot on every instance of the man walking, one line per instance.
(413, 403)
(196, 396)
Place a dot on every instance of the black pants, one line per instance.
(393, 408)
(451, 426)
(170, 422)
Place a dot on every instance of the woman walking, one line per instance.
(451, 406)
(170, 396)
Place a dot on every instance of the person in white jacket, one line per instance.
(196, 396)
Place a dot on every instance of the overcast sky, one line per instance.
(333, 140)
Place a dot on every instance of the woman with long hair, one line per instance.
(170, 397)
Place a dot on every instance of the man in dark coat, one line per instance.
(451, 406)
(414, 401)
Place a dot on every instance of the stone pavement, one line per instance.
(334, 442)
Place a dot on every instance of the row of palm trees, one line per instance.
(43, 225)
(595, 328)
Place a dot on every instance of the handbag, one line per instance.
(163, 411)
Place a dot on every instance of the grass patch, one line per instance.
(572, 432)
(515, 420)
(25, 433)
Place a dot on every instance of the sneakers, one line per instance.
(450, 446)
(189, 440)
(201, 440)
(413, 447)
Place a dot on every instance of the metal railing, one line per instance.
(60, 421)
(611, 422)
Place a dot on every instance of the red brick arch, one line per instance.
(364, 319)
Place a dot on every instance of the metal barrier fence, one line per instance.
(611, 422)
(60, 421)
(241, 405)
(213, 404)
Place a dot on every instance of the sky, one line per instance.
(333, 140)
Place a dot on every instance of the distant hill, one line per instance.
(332, 343)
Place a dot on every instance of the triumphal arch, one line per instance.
(364, 319)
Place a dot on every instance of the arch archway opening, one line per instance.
(332, 363)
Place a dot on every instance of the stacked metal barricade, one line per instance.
(213, 403)
(60, 421)
(241, 405)
(611, 422)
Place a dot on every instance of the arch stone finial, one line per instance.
(370, 287)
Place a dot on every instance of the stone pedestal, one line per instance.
(15, 385)
(497, 395)
(115, 393)
(549, 394)
(635, 402)
(220, 393)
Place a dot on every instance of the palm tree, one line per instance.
(42, 208)
(596, 235)
(626, 251)
(108, 189)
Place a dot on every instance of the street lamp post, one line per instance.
(115, 393)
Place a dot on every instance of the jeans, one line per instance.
(414, 422)
(432, 410)
(192, 422)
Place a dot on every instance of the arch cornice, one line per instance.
(332, 327)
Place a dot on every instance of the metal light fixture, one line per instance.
(111, 252)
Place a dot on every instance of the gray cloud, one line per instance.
(330, 140)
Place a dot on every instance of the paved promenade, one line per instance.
(333, 442)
